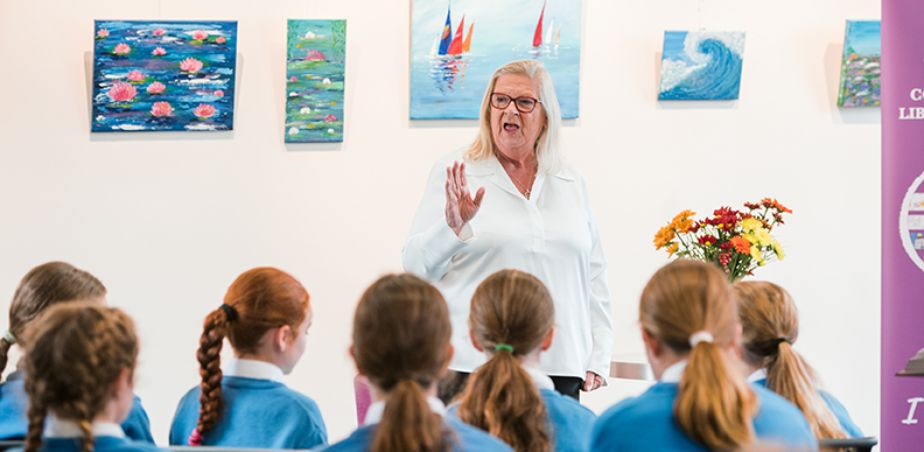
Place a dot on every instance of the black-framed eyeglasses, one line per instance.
(524, 104)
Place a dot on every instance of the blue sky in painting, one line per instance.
(864, 37)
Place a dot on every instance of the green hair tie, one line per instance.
(500, 347)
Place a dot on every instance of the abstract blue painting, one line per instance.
(163, 75)
(701, 65)
(456, 46)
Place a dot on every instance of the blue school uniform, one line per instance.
(64, 436)
(647, 422)
(14, 404)
(468, 438)
(259, 411)
(839, 411)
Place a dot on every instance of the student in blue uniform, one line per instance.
(512, 320)
(401, 344)
(265, 316)
(80, 365)
(44, 286)
(770, 323)
(689, 323)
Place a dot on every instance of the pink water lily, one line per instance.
(204, 111)
(161, 109)
(135, 76)
(122, 49)
(221, 40)
(200, 35)
(191, 65)
(315, 55)
(218, 93)
(158, 32)
(159, 51)
(330, 118)
(102, 33)
(121, 92)
(156, 88)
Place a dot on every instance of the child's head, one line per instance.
(79, 364)
(687, 311)
(265, 316)
(44, 286)
(401, 343)
(511, 316)
(770, 324)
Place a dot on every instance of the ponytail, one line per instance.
(209, 355)
(36, 416)
(408, 424)
(790, 376)
(714, 405)
(502, 400)
(5, 346)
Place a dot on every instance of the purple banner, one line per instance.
(902, 417)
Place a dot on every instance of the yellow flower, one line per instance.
(751, 224)
(778, 249)
(763, 237)
(757, 255)
(672, 249)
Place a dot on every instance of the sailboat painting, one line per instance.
(457, 44)
(701, 65)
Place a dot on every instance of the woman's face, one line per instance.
(515, 132)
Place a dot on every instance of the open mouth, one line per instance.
(511, 127)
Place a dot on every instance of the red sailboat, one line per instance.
(537, 36)
(455, 48)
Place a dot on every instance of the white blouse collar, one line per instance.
(673, 373)
(541, 380)
(62, 428)
(759, 374)
(251, 368)
(375, 411)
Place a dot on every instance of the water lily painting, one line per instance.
(859, 85)
(456, 45)
(701, 65)
(316, 61)
(163, 75)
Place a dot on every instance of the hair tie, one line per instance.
(230, 312)
(780, 340)
(8, 335)
(506, 347)
(195, 438)
(701, 336)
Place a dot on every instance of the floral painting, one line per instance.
(163, 75)
(701, 65)
(860, 69)
(315, 64)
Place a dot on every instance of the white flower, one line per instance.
(305, 111)
(326, 81)
(293, 131)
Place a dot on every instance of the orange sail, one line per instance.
(467, 44)
(537, 36)
(456, 47)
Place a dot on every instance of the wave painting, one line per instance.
(163, 75)
(701, 65)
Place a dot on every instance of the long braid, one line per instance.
(5, 346)
(209, 356)
(36, 417)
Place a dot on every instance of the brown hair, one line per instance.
(401, 343)
(74, 354)
(259, 300)
(714, 405)
(44, 286)
(771, 325)
(509, 308)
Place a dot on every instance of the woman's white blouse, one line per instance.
(552, 235)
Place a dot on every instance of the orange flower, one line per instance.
(769, 202)
(682, 222)
(664, 236)
(672, 248)
(741, 244)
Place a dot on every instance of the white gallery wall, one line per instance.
(168, 220)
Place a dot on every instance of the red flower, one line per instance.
(707, 240)
(724, 259)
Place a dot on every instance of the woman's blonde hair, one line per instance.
(714, 404)
(770, 323)
(547, 152)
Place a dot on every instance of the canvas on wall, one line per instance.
(456, 46)
(701, 65)
(860, 62)
(163, 75)
(315, 75)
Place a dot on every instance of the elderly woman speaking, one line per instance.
(529, 212)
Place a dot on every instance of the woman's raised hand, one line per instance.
(460, 205)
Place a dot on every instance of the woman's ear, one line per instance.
(653, 346)
(282, 338)
(471, 337)
(547, 340)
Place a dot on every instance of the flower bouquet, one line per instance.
(738, 241)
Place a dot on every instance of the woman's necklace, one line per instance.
(527, 188)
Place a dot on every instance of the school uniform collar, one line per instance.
(62, 428)
(541, 380)
(375, 411)
(759, 374)
(673, 373)
(251, 368)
